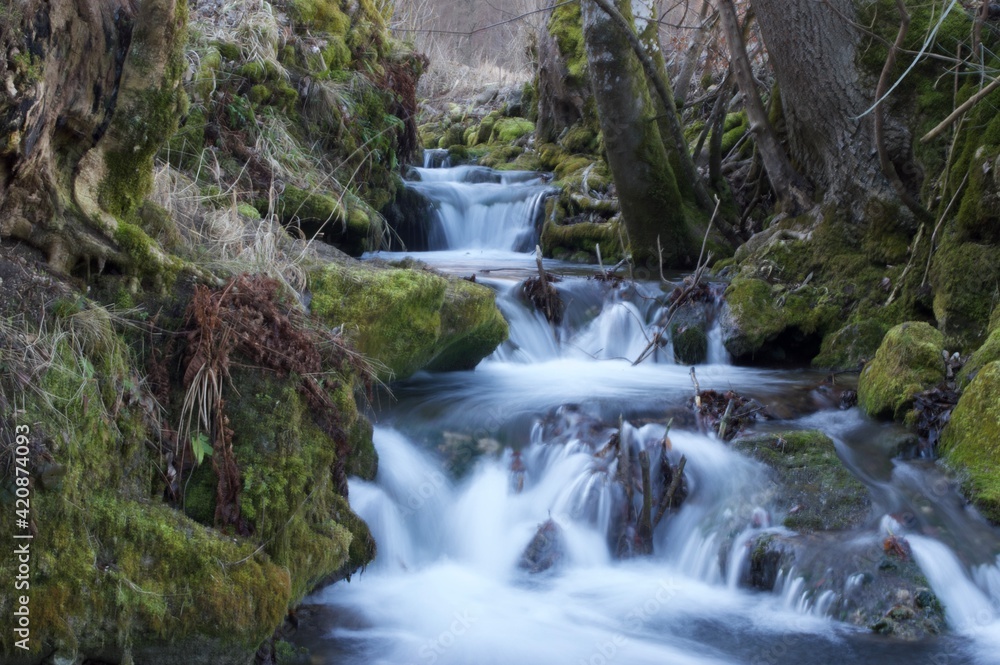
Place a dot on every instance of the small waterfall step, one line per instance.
(474, 207)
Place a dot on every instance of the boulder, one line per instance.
(408, 319)
(908, 362)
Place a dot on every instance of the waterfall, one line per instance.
(523, 558)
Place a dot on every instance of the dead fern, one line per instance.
(248, 318)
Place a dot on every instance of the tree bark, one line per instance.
(813, 48)
(682, 84)
(651, 202)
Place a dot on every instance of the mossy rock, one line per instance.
(971, 441)
(909, 361)
(409, 319)
(853, 344)
(581, 240)
(768, 321)
(453, 135)
(580, 139)
(810, 477)
(117, 574)
(690, 344)
(509, 130)
(498, 156)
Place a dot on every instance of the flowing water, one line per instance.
(472, 463)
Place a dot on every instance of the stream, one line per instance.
(472, 463)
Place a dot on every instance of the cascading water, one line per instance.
(518, 559)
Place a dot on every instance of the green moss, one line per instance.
(509, 130)
(260, 94)
(761, 312)
(115, 573)
(336, 55)
(471, 327)
(141, 129)
(965, 277)
(583, 237)
(497, 156)
(580, 139)
(566, 26)
(289, 494)
(453, 135)
(908, 362)
(408, 319)
(812, 478)
(971, 441)
(248, 211)
(854, 343)
(690, 344)
(302, 205)
(322, 15)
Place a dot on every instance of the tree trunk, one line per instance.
(79, 134)
(682, 84)
(813, 49)
(651, 202)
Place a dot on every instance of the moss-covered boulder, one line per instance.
(971, 441)
(814, 489)
(772, 322)
(690, 344)
(409, 319)
(908, 362)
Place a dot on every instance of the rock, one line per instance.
(908, 362)
(814, 487)
(769, 554)
(969, 442)
(545, 550)
(690, 344)
(406, 319)
(761, 324)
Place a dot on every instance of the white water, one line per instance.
(447, 587)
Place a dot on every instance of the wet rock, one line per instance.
(545, 550)
(814, 488)
(770, 554)
(690, 344)
(908, 362)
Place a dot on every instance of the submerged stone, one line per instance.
(815, 489)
